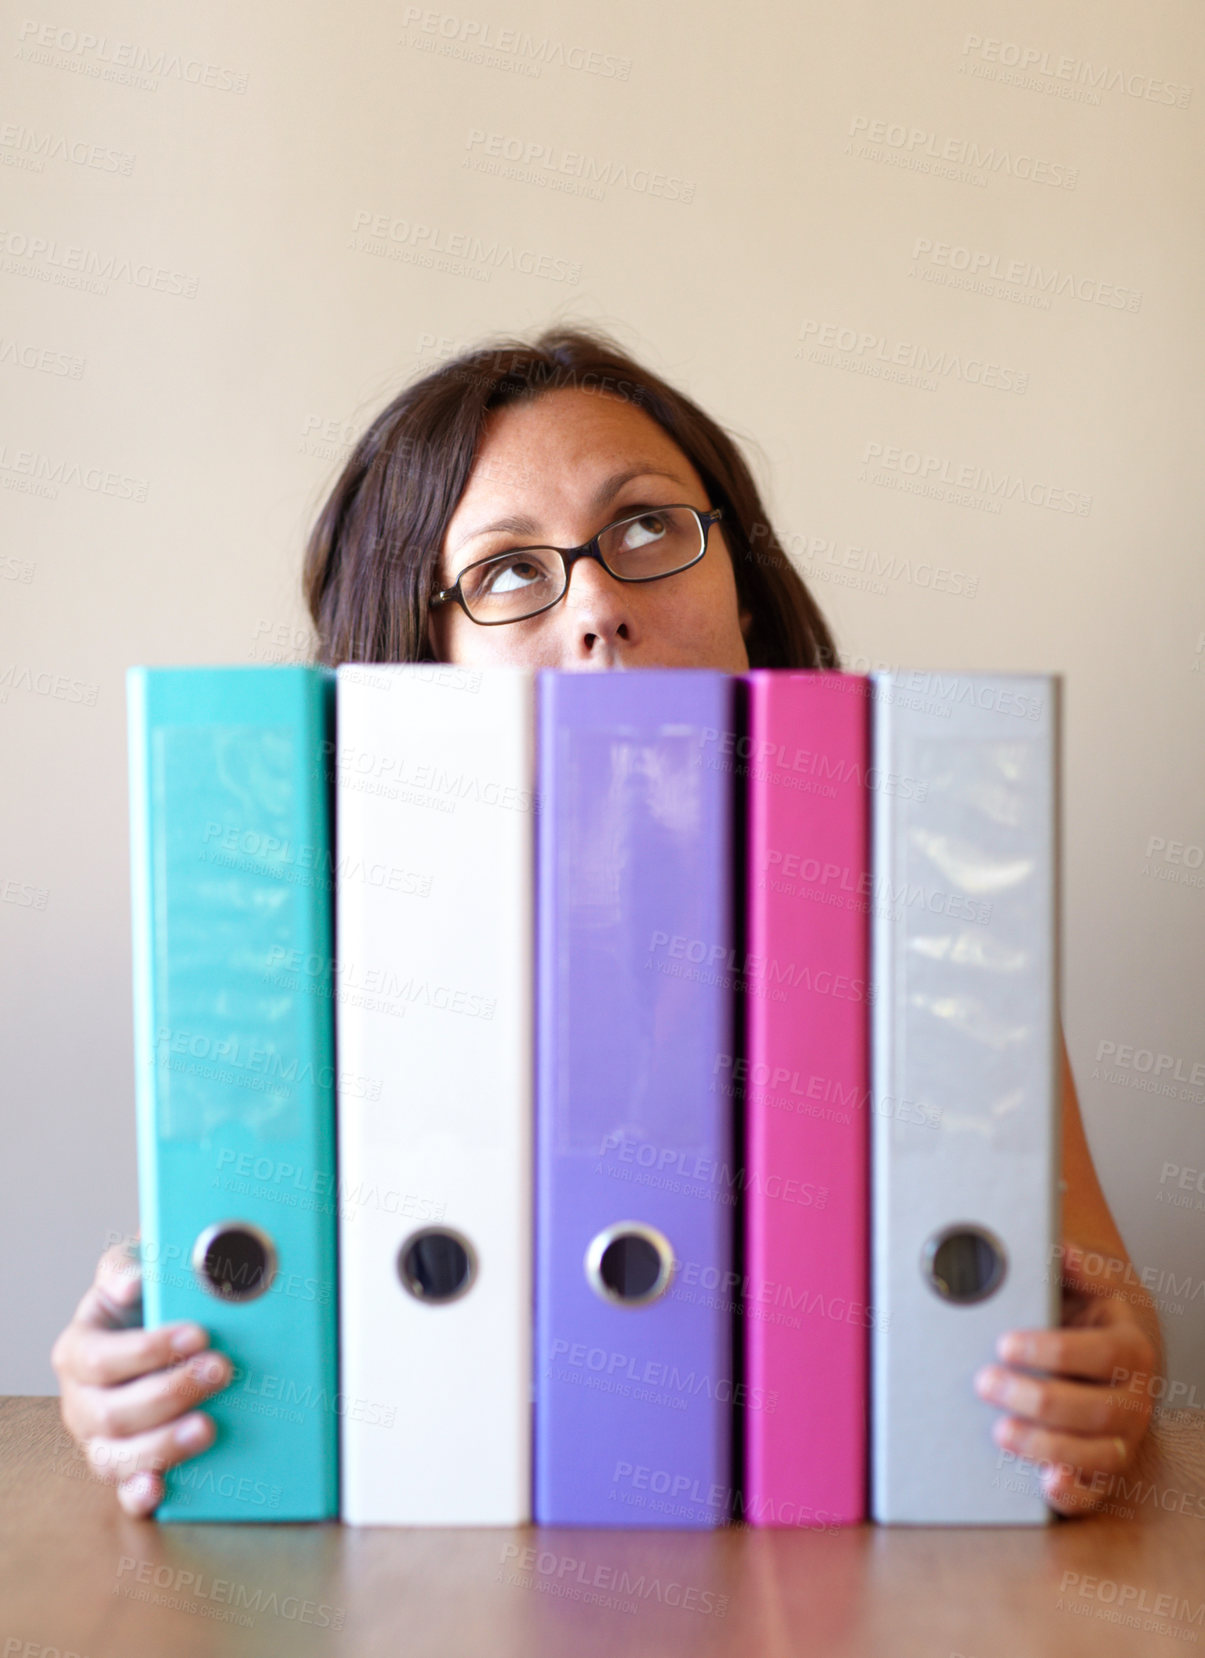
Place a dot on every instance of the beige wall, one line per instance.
(901, 248)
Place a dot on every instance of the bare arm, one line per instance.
(1088, 1223)
(1080, 1398)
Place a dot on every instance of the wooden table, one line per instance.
(77, 1576)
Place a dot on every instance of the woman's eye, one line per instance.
(650, 527)
(508, 575)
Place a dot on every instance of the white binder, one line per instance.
(434, 1005)
(966, 1078)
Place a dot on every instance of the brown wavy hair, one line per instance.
(371, 558)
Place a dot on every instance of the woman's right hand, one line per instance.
(127, 1393)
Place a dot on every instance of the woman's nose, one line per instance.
(598, 612)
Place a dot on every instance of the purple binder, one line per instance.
(636, 1184)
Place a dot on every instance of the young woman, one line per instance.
(439, 542)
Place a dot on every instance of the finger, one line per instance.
(1077, 1453)
(1075, 1491)
(1051, 1402)
(116, 1460)
(105, 1357)
(1093, 1355)
(1065, 1490)
(141, 1494)
(1076, 1474)
(113, 1300)
(150, 1401)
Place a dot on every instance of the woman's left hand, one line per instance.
(1079, 1416)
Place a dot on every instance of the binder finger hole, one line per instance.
(234, 1261)
(436, 1265)
(630, 1264)
(965, 1263)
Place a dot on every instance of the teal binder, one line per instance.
(232, 885)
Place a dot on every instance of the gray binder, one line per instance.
(966, 1078)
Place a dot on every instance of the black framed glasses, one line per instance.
(645, 546)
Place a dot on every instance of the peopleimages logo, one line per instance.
(723, 958)
(622, 1371)
(302, 862)
(41, 359)
(708, 1172)
(957, 265)
(266, 1067)
(534, 161)
(1132, 1604)
(609, 1587)
(195, 1587)
(985, 160)
(1060, 72)
(458, 252)
(777, 762)
(52, 473)
(1176, 861)
(842, 887)
(45, 684)
(427, 783)
(831, 341)
(123, 61)
(1172, 1067)
(30, 148)
(69, 265)
(778, 1083)
(939, 475)
(476, 41)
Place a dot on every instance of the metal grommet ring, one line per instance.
(437, 1265)
(234, 1260)
(630, 1264)
(964, 1263)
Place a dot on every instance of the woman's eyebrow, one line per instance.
(608, 489)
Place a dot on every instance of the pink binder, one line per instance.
(806, 1081)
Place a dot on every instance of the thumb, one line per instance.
(141, 1494)
(113, 1301)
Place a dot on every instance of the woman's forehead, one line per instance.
(550, 460)
(569, 433)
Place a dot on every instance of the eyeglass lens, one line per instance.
(517, 584)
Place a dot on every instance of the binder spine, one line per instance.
(966, 1079)
(806, 1293)
(635, 1179)
(436, 814)
(234, 1071)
